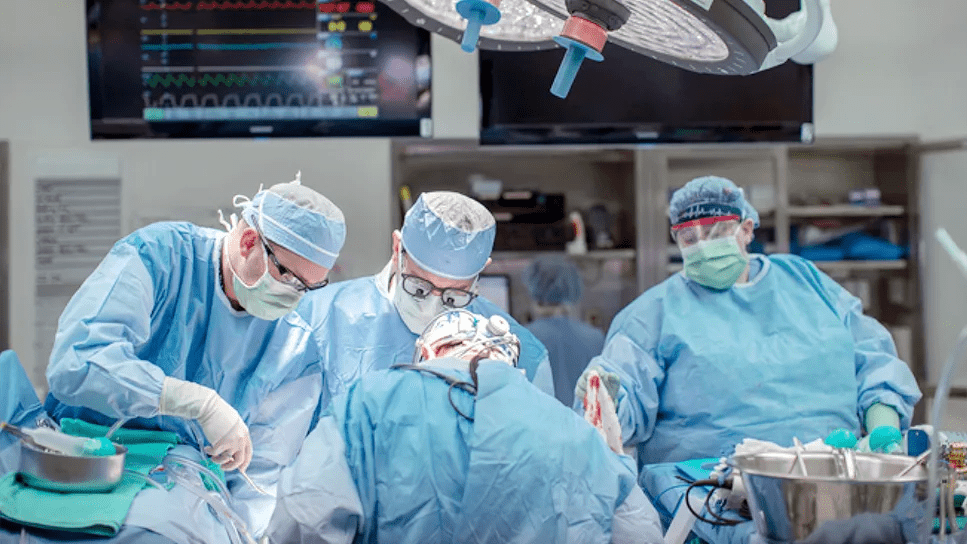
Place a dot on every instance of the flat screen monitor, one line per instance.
(632, 98)
(496, 289)
(255, 68)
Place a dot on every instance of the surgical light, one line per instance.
(725, 37)
(522, 26)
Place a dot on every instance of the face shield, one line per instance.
(707, 228)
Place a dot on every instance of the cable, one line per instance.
(454, 383)
(719, 520)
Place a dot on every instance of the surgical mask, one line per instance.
(267, 298)
(716, 264)
(415, 313)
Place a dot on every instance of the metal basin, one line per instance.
(825, 506)
(67, 473)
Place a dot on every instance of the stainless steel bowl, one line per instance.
(67, 473)
(826, 506)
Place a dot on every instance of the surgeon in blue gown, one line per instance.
(555, 286)
(191, 330)
(369, 323)
(740, 345)
(458, 447)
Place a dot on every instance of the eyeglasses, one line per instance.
(710, 228)
(289, 277)
(420, 288)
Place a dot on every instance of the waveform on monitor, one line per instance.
(227, 80)
(167, 6)
(257, 100)
(252, 4)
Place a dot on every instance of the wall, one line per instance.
(898, 69)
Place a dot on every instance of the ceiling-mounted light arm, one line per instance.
(815, 17)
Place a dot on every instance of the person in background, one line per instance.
(746, 346)
(183, 328)
(555, 286)
(458, 447)
(369, 323)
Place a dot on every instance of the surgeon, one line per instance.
(369, 323)
(555, 287)
(746, 346)
(458, 447)
(191, 330)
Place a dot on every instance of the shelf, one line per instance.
(846, 210)
(835, 266)
(594, 254)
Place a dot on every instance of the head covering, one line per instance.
(553, 280)
(449, 234)
(709, 196)
(298, 219)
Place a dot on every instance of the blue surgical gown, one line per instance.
(788, 354)
(359, 330)
(154, 307)
(526, 469)
(570, 345)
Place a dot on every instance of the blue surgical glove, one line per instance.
(610, 381)
(885, 439)
(841, 438)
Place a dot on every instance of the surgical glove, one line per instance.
(610, 380)
(884, 439)
(223, 427)
(841, 438)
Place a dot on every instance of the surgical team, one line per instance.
(404, 407)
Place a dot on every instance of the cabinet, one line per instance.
(802, 193)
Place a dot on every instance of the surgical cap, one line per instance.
(300, 220)
(553, 280)
(449, 234)
(709, 196)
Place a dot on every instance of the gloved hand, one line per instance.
(610, 380)
(883, 439)
(223, 427)
(841, 438)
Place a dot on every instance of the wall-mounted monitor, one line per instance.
(255, 68)
(631, 98)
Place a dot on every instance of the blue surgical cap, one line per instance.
(449, 234)
(298, 219)
(553, 280)
(709, 196)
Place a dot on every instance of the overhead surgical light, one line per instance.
(726, 37)
(522, 26)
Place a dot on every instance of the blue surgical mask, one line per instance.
(716, 264)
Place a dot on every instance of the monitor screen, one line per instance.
(496, 289)
(629, 97)
(255, 68)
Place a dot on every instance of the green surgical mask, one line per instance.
(716, 264)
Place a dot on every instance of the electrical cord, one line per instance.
(719, 520)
